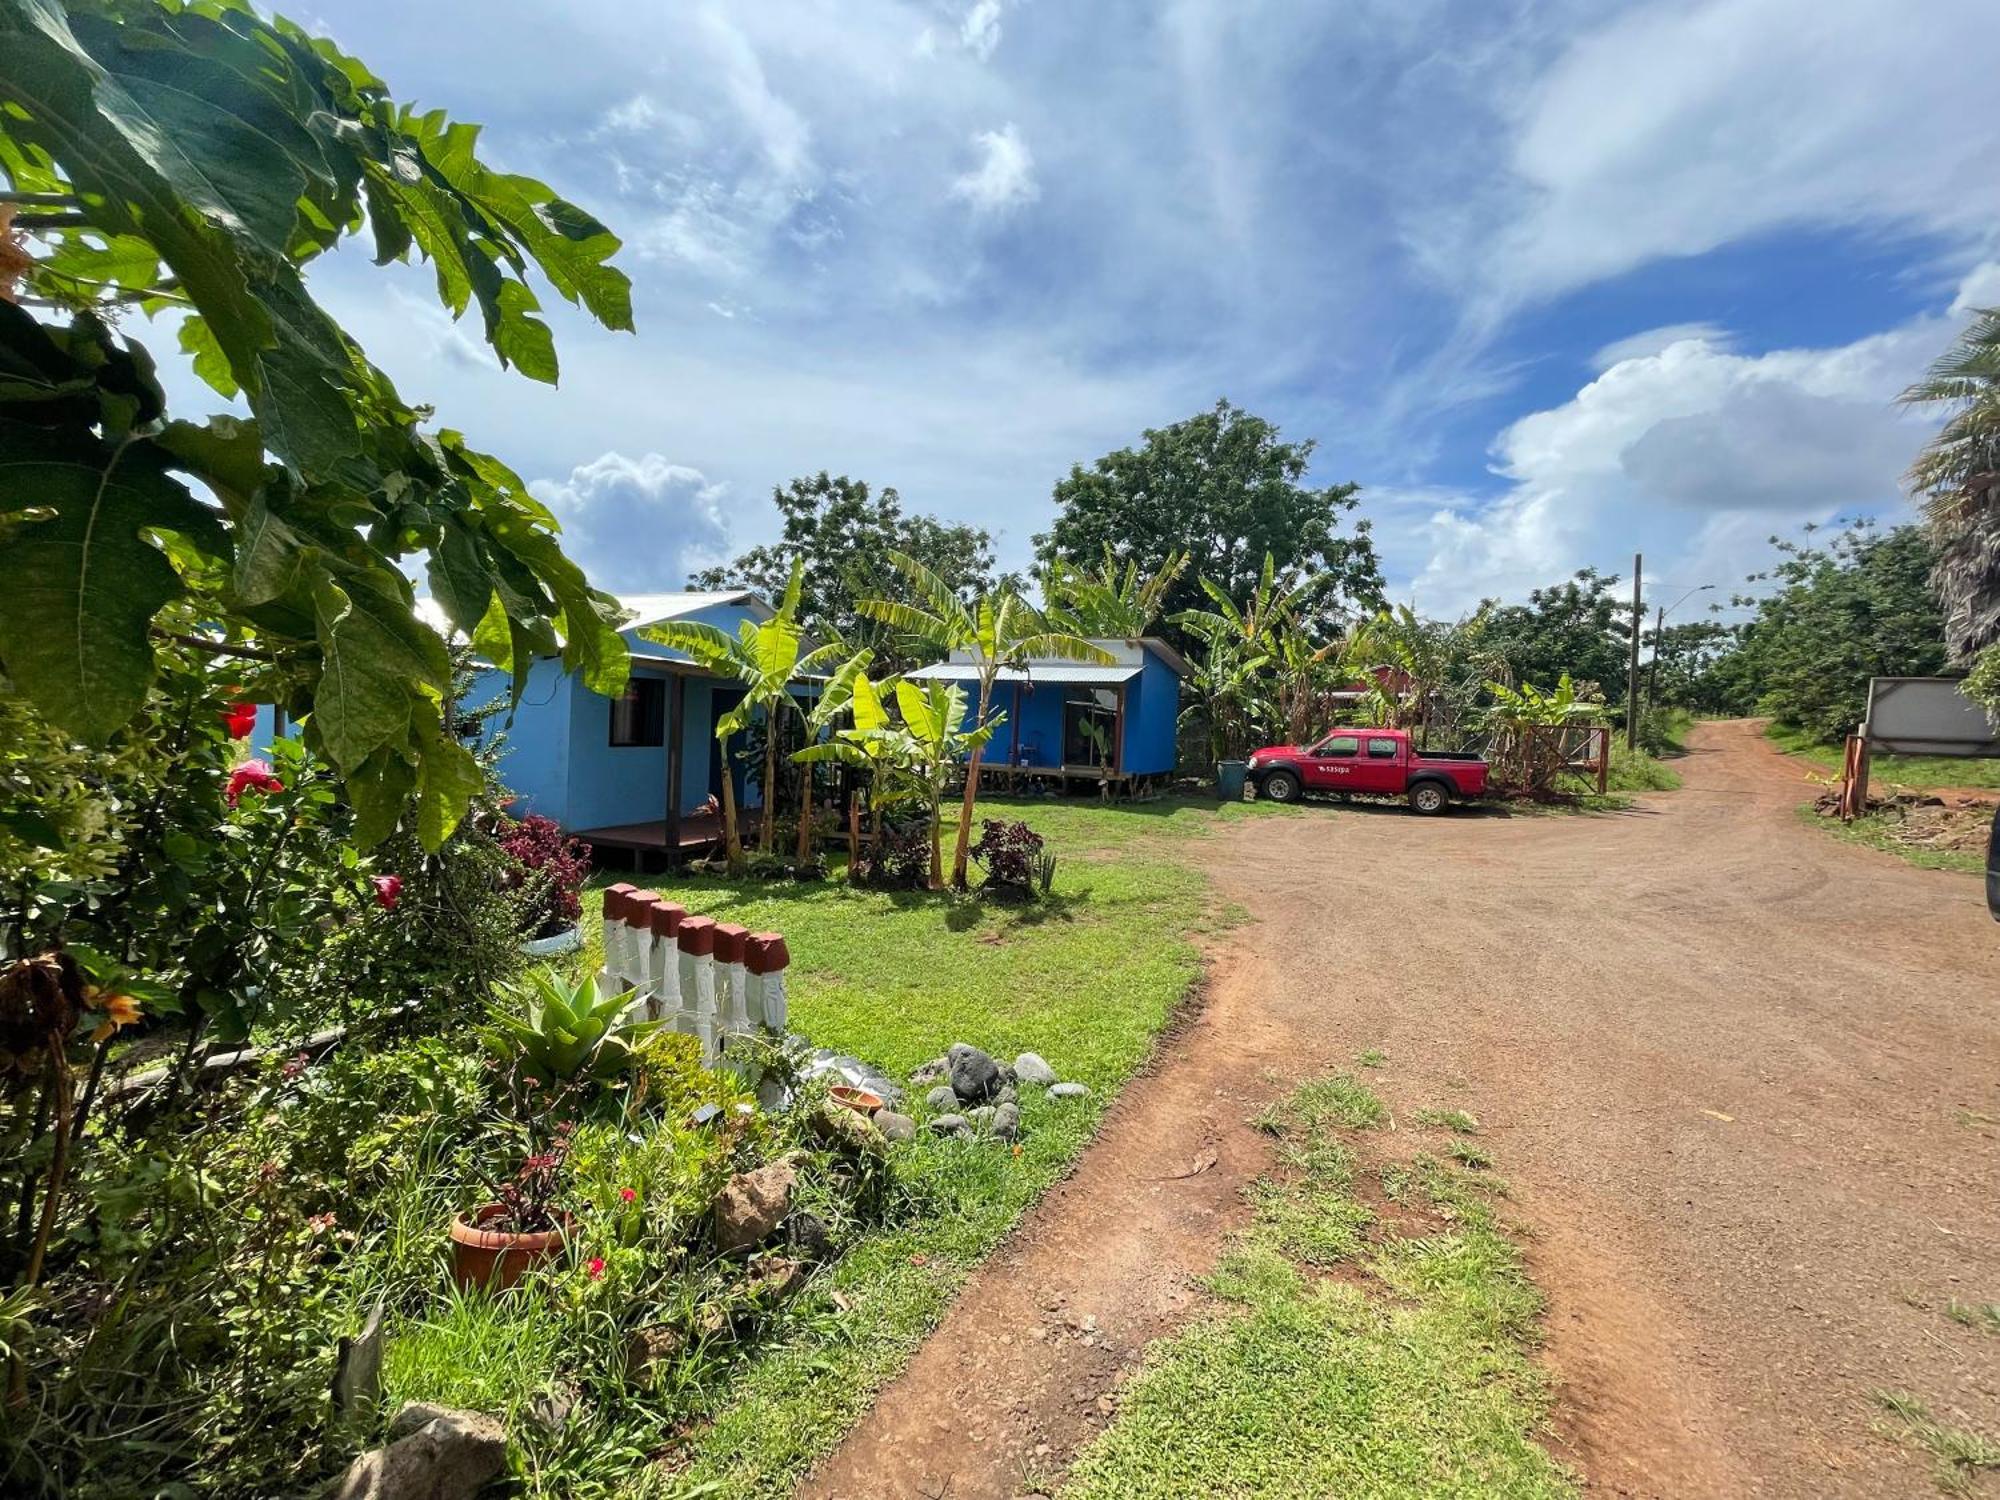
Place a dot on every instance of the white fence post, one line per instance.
(638, 939)
(697, 959)
(766, 959)
(663, 922)
(731, 981)
(617, 950)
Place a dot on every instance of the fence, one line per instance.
(708, 979)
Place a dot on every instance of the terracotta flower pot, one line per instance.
(859, 1100)
(497, 1258)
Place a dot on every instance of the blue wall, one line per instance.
(1152, 707)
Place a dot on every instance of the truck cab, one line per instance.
(1368, 762)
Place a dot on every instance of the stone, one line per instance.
(942, 1097)
(950, 1125)
(1069, 1091)
(931, 1072)
(1008, 1094)
(981, 1117)
(974, 1075)
(1030, 1068)
(752, 1204)
(810, 1237)
(447, 1455)
(893, 1126)
(775, 1280)
(357, 1371)
(649, 1348)
(1007, 1122)
(844, 1130)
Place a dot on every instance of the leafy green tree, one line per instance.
(766, 658)
(196, 157)
(1958, 474)
(1232, 692)
(1579, 626)
(1001, 630)
(843, 535)
(1224, 489)
(1425, 675)
(1859, 607)
(1110, 601)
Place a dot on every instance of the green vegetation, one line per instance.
(1412, 1376)
(1883, 831)
(1888, 772)
(1981, 1315)
(1958, 1455)
(1447, 1119)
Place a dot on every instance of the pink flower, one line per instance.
(388, 890)
(626, 1195)
(252, 776)
(241, 719)
(596, 1268)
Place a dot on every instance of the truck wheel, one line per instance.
(1428, 798)
(1281, 786)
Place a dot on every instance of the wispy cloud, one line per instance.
(1004, 179)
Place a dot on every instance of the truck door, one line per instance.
(1334, 763)
(1382, 767)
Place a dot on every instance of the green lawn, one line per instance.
(1410, 1375)
(1086, 979)
(1887, 772)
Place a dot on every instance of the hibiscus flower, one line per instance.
(252, 776)
(241, 719)
(388, 890)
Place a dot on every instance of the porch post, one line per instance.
(676, 733)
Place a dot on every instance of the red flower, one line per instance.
(626, 1195)
(388, 890)
(241, 719)
(596, 1268)
(252, 776)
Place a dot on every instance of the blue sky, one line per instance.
(1553, 281)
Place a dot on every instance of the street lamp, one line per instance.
(1659, 631)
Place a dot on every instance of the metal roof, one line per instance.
(1053, 671)
(657, 609)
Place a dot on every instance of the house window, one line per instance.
(639, 717)
(1090, 727)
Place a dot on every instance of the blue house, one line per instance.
(1114, 726)
(635, 772)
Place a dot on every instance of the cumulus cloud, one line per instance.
(980, 30)
(638, 524)
(1004, 180)
(1654, 340)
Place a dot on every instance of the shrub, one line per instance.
(550, 870)
(1011, 854)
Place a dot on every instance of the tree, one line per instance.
(1224, 489)
(836, 697)
(843, 537)
(1578, 626)
(1001, 630)
(1108, 602)
(1958, 474)
(1237, 641)
(197, 157)
(765, 657)
(1426, 675)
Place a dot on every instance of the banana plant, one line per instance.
(835, 699)
(1001, 630)
(560, 1033)
(870, 746)
(1109, 601)
(765, 658)
(1517, 712)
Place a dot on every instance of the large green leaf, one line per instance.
(80, 584)
(375, 656)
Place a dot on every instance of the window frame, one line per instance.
(651, 718)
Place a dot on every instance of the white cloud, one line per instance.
(638, 524)
(1005, 177)
(1654, 340)
(1980, 289)
(980, 30)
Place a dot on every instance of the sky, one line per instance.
(1554, 280)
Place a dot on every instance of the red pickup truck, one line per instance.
(1379, 762)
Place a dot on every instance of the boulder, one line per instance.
(980, 1117)
(775, 1280)
(1069, 1091)
(810, 1236)
(942, 1097)
(1007, 1122)
(1007, 1094)
(893, 1126)
(1030, 1068)
(950, 1125)
(752, 1204)
(442, 1454)
(974, 1075)
(650, 1347)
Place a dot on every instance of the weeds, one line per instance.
(1959, 1456)
(1447, 1119)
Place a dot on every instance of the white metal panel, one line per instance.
(1928, 716)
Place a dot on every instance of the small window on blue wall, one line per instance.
(640, 716)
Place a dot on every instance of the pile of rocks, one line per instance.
(975, 1094)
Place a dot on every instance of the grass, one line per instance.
(1373, 1057)
(1878, 831)
(1412, 1374)
(1885, 772)
(1447, 1119)
(1958, 1455)
(1981, 1315)
(896, 977)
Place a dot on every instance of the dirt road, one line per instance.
(1743, 1078)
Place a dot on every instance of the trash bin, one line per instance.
(1229, 779)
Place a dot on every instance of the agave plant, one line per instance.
(558, 1033)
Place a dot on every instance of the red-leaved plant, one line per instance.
(528, 1199)
(551, 868)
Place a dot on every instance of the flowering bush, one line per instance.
(1009, 853)
(550, 870)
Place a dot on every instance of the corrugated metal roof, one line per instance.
(1054, 671)
(657, 609)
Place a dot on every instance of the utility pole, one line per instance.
(1632, 678)
(1653, 666)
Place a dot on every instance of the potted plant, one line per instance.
(524, 1226)
(549, 871)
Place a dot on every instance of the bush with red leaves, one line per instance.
(551, 867)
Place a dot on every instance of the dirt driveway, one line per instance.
(1744, 1080)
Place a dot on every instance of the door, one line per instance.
(1090, 727)
(1334, 764)
(1381, 766)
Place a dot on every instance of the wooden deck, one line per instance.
(698, 831)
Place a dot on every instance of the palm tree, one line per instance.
(1001, 630)
(1239, 640)
(765, 658)
(1958, 474)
